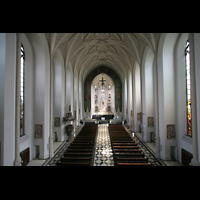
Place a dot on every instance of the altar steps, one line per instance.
(125, 150)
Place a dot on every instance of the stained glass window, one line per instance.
(22, 82)
(188, 88)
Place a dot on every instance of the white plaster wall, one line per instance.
(39, 83)
(27, 140)
(80, 98)
(130, 106)
(136, 96)
(76, 97)
(169, 89)
(161, 116)
(58, 93)
(7, 97)
(166, 92)
(168, 72)
(147, 96)
(2, 90)
(69, 87)
(41, 92)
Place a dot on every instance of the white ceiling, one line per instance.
(116, 50)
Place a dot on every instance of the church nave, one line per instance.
(97, 149)
(52, 84)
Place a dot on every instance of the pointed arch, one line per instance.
(113, 75)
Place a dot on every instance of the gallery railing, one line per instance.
(144, 145)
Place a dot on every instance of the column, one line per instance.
(51, 124)
(17, 161)
(194, 61)
(156, 117)
(77, 104)
(130, 99)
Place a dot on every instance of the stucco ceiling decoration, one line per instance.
(118, 50)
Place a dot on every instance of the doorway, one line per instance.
(25, 156)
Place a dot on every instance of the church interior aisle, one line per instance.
(103, 150)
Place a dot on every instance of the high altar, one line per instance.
(102, 97)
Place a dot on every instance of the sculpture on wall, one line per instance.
(171, 131)
(57, 122)
(150, 121)
(38, 131)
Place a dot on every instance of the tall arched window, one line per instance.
(188, 89)
(22, 84)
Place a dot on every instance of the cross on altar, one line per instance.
(101, 80)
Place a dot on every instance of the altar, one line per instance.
(100, 115)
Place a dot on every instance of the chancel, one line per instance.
(103, 104)
(99, 99)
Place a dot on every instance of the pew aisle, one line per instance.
(103, 151)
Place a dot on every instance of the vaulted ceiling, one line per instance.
(116, 50)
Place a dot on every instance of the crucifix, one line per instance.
(102, 101)
(102, 80)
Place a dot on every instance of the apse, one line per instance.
(117, 90)
(102, 95)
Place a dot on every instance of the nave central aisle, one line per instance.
(103, 150)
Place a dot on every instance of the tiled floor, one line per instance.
(152, 146)
(103, 151)
(39, 162)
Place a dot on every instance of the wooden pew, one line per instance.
(125, 150)
(80, 151)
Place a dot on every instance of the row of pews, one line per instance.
(80, 151)
(125, 150)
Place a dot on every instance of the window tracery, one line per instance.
(188, 89)
(22, 84)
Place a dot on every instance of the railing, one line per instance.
(144, 145)
(60, 150)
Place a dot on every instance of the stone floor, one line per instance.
(103, 150)
(152, 146)
(39, 162)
